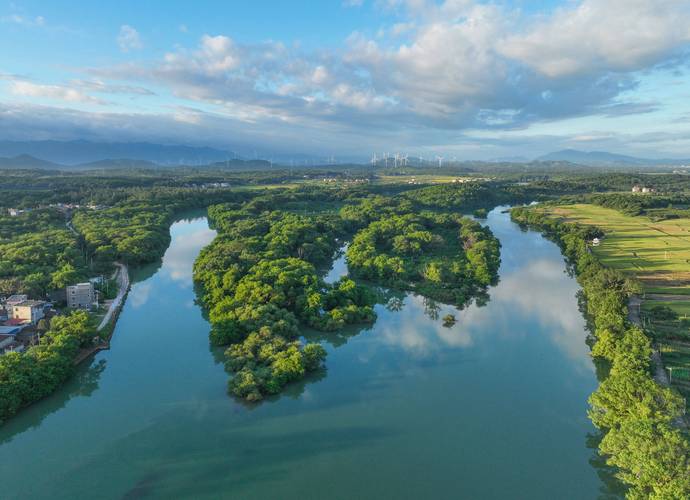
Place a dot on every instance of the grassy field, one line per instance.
(658, 253)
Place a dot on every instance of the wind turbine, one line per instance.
(440, 161)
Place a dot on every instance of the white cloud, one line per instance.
(438, 69)
(602, 35)
(59, 92)
(109, 88)
(129, 39)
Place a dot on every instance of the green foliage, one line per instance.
(443, 256)
(259, 281)
(37, 253)
(662, 313)
(29, 376)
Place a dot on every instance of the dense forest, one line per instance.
(637, 415)
(260, 278)
(38, 253)
(442, 256)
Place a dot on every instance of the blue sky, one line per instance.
(462, 78)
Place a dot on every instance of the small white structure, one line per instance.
(636, 189)
(596, 242)
(81, 296)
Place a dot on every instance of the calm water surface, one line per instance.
(494, 407)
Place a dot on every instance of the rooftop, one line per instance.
(10, 330)
(15, 322)
(31, 303)
(16, 298)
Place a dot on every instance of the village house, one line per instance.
(11, 338)
(81, 296)
(13, 300)
(9, 344)
(643, 189)
(28, 311)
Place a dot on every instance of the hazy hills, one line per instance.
(72, 153)
(603, 158)
(28, 162)
(86, 155)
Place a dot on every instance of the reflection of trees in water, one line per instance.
(431, 308)
(611, 488)
(337, 338)
(395, 304)
(83, 384)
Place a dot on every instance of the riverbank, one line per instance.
(638, 417)
(107, 325)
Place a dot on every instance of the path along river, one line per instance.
(494, 407)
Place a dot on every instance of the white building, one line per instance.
(81, 296)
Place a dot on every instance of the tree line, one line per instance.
(637, 416)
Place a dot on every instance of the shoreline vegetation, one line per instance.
(136, 230)
(259, 278)
(637, 416)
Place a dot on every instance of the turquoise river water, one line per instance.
(493, 407)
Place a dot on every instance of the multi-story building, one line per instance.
(81, 296)
(30, 311)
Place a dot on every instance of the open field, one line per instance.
(658, 253)
(424, 179)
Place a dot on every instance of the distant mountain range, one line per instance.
(86, 155)
(27, 162)
(82, 152)
(603, 158)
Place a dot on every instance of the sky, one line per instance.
(466, 79)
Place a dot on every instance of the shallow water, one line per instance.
(493, 407)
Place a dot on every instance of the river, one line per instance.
(493, 407)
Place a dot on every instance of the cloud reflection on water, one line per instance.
(176, 262)
(535, 298)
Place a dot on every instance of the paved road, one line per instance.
(123, 280)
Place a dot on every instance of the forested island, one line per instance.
(259, 278)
